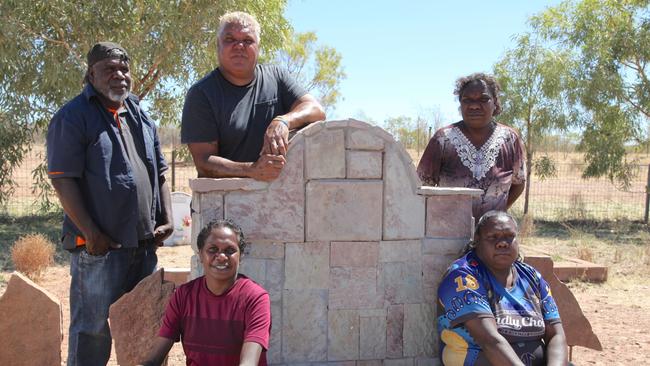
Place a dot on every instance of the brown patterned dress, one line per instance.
(451, 160)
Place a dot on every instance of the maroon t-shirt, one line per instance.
(214, 328)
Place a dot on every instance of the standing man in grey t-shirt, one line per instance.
(236, 120)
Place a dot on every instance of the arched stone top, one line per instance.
(331, 141)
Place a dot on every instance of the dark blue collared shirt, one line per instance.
(83, 143)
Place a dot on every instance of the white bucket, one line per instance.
(182, 220)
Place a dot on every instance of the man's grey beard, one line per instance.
(112, 96)
(118, 98)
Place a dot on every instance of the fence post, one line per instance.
(173, 170)
(647, 197)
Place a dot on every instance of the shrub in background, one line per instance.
(32, 254)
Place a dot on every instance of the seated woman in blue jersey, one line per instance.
(493, 309)
(222, 318)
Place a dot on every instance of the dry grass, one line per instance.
(32, 254)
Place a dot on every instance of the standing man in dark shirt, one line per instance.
(236, 120)
(105, 163)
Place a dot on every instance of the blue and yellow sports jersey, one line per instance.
(469, 290)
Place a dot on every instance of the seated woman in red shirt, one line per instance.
(222, 318)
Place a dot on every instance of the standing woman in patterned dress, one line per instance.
(477, 152)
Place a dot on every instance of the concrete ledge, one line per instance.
(176, 275)
(202, 185)
(569, 269)
(447, 191)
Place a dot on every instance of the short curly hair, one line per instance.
(489, 80)
(225, 223)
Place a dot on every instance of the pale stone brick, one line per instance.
(419, 331)
(196, 268)
(312, 129)
(331, 216)
(208, 208)
(364, 164)
(433, 268)
(403, 208)
(400, 362)
(274, 283)
(401, 282)
(449, 216)
(400, 250)
(255, 269)
(343, 335)
(304, 326)
(444, 247)
(325, 155)
(354, 288)
(274, 353)
(427, 361)
(337, 124)
(262, 250)
(372, 337)
(281, 216)
(307, 265)
(354, 254)
(395, 331)
(226, 184)
(363, 139)
(370, 363)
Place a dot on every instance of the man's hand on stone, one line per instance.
(99, 243)
(276, 138)
(162, 232)
(267, 167)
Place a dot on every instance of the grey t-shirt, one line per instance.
(237, 116)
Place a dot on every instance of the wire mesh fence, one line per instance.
(566, 196)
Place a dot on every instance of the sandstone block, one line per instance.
(135, 331)
(226, 184)
(364, 164)
(208, 208)
(395, 331)
(274, 282)
(281, 216)
(354, 288)
(363, 139)
(449, 217)
(343, 335)
(307, 265)
(400, 362)
(354, 254)
(255, 269)
(262, 250)
(444, 247)
(372, 337)
(31, 324)
(403, 207)
(419, 331)
(337, 124)
(304, 326)
(330, 216)
(274, 353)
(325, 155)
(401, 282)
(400, 251)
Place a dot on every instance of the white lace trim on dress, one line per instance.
(479, 162)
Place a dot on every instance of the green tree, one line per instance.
(318, 68)
(43, 46)
(534, 82)
(611, 42)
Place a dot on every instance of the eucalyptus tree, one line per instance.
(536, 98)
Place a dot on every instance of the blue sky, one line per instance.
(403, 58)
